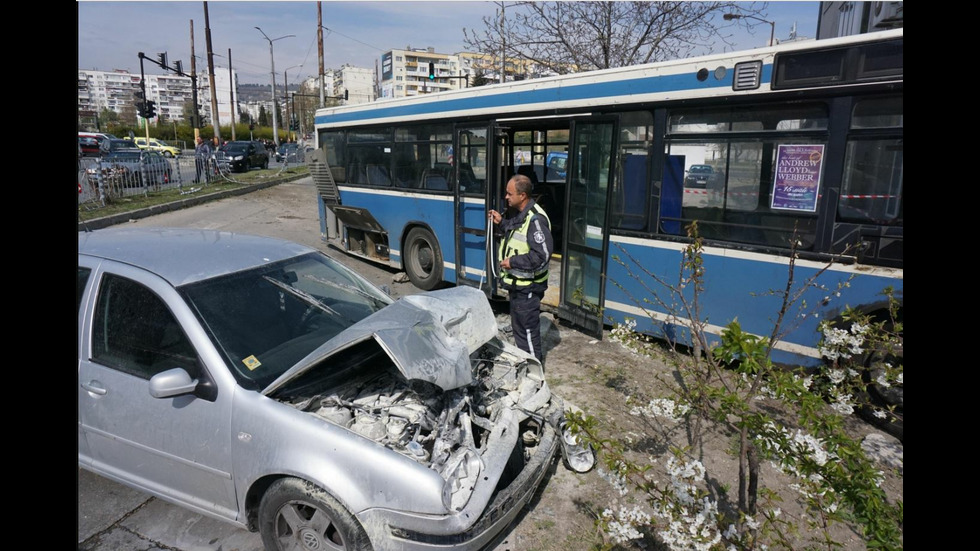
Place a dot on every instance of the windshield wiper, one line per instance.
(306, 297)
(348, 288)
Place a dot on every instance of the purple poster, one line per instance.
(797, 182)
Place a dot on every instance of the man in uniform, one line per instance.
(202, 160)
(525, 251)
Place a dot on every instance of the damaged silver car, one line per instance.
(260, 382)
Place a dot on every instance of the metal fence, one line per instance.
(101, 181)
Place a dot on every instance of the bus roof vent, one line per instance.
(748, 75)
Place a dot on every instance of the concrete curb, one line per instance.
(106, 221)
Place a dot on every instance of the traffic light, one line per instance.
(251, 126)
(141, 108)
(432, 71)
(151, 110)
(163, 59)
(346, 95)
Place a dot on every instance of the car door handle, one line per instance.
(94, 387)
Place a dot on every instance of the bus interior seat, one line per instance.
(467, 179)
(445, 169)
(377, 175)
(404, 175)
(356, 173)
(435, 181)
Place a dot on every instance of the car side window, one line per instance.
(83, 275)
(136, 333)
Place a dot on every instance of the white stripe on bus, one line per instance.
(808, 351)
(860, 269)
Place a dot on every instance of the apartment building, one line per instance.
(406, 72)
(116, 90)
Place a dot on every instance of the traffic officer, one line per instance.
(525, 253)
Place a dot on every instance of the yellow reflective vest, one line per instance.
(515, 243)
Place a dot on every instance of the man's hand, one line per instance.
(505, 263)
(495, 216)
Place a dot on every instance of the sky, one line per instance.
(112, 33)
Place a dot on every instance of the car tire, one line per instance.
(423, 263)
(297, 514)
(168, 154)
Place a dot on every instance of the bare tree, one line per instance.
(566, 37)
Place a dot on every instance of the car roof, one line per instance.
(186, 255)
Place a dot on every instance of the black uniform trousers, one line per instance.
(525, 318)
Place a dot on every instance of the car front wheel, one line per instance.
(296, 514)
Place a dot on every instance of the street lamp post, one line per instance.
(772, 24)
(285, 83)
(272, 61)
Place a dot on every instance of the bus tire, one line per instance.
(423, 259)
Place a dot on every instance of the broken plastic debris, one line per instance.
(578, 458)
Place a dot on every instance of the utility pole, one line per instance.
(214, 97)
(319, 41)
(231, 93)
(196, 122)
(503, 46)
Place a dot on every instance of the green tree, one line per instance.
(480, 79)
(263, 119)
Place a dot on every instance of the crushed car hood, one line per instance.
(428, 336)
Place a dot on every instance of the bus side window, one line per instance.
(377, 175)
(672, 195)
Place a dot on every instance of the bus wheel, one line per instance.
(423, 261)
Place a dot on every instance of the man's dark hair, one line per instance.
(522, 184)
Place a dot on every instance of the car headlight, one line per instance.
(237, 158)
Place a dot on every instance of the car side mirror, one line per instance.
(172, 382)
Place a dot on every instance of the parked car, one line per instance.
(241, 156)
(261, 382)
(110, 145)
(557, 166)
(290, 152)
(127, 168)
(157, 145)
(88, 146)
(700, 176)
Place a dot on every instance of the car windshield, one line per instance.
(702, 169)
(235, 148)
(267, 319)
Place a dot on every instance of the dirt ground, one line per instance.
(599, 376)
(595, 375)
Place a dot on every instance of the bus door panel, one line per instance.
(470, 165)
(585, 236)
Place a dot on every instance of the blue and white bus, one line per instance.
(798, 142)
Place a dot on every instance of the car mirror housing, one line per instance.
(172, 382)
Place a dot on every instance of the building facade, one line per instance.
(406, 73)
(173, 94)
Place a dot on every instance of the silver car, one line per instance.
(260, 382)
